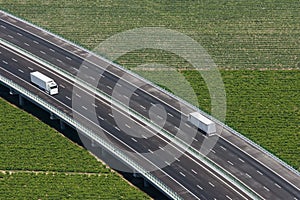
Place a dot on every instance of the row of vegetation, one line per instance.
(237, 34)
(65, 186)
(262, 105)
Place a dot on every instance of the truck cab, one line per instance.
(52, 88)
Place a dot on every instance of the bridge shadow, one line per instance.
(73, 135)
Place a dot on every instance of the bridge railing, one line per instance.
(170, 94)
(218, 169)
(115, 151)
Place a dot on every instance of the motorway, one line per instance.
(187, 170)
(20, 67)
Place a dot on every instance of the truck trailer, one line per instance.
(44, 82)
(202, 123)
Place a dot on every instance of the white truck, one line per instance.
(202, 123)
(44, 82)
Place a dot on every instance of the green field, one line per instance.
(37, 162)
(262, 105)
(237, 34)
(65, 186)
(255, 44)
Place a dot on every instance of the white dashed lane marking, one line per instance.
(241, 160)
(133, 139)
(187, 125)
(26, 44)
(62, 86)
(4, 62)
(144, 137)
(10, 36)
(68, 98)
(194, 171)
(182, 174)
(20, 70)
(177, 159)
(52, 50)
(211, 184)
(36, 42)
(100, 117)
(229, 162)
(161, 148)
(108, 87)
(160, 117)
(84, 107)
(19, 34)
(277, 185)
(143, 107)
(198, 186)
(170, 115)
(223, 148)
(14, 60)
(94, 105)
(153, 104)
(259, 172)
(150, 151)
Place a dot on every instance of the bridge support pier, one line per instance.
(21, 100)
(62, 125)
(11, 91)
(135, 174)
(95, 144)
(146, 183)
(103, 152)
(52, 116)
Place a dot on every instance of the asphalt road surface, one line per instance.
(151, 103)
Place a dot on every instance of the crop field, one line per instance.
(53, 185)
(255, 45)
(237, 34)
(262, 105)
(38, 163)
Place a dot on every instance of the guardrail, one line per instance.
(166, 92)
(91, 135)
(218, 169)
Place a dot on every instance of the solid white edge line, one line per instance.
(211, 173)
